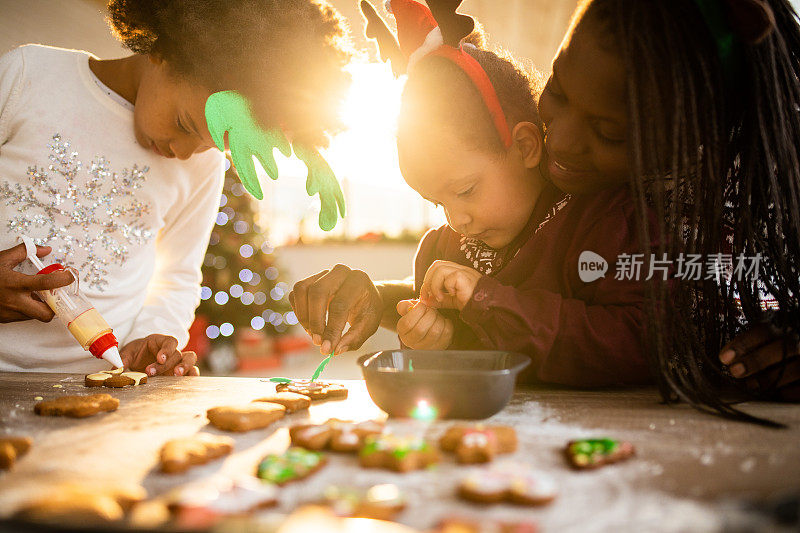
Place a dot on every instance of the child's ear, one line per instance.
(528, 140)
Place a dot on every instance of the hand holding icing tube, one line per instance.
(80, 317)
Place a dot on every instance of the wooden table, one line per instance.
(691, 473)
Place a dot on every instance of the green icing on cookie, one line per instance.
(594, 447)
(292, 464)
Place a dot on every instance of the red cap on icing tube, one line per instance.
(103, 343)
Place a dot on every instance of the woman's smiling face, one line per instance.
(584, 110)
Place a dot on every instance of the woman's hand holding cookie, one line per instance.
(157, 355)
(448, 285)
(423, 328)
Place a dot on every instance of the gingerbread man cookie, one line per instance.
(316, 390)
(77, 406)
(401, 454)
(256, 415)
(337, 435)
(116, 378)
(592, 453)
(478, 443)
(203, 504)
(12, 448)
(291, 465)
(507, 485)
(178, 455)
(290, 400)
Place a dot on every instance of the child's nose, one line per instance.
(458, 220)
(183, 150)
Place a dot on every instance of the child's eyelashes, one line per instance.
(464, 194)
(180, 125)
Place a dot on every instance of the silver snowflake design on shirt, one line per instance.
(91, 214)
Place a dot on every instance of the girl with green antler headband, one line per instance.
(116, 166)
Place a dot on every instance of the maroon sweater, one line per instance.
(576, 333)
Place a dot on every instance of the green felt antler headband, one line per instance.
(229, 111)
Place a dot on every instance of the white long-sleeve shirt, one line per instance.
(72, 176)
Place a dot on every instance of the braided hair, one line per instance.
(717, 160)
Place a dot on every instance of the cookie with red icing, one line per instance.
(316, 390)
(478, 443)
(337, 435)
(517, 485)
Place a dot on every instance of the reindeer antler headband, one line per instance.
(434, 31)
(229, 111)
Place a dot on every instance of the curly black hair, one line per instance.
(285, 56)
(439, 92)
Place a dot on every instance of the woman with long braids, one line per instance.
(695, 103)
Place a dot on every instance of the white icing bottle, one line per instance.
(80, 317)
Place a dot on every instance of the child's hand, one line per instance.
(17, 301)
(158, 354)
(423, 328)
(448, 285)
(754, 356)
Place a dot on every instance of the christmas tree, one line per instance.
(241, 291)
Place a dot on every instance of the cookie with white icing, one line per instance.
(337, 435)
(518, 486)
(478, 443)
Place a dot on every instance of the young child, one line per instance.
(111, 163)
(504, 272)
(709, 140)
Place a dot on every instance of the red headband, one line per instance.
(437, 31)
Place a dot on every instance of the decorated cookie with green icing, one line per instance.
(397, 453)
(291, 465)
(592, 453)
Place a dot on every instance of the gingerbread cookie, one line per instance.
(456, 524)
(379, 502)
(592, 453)
(115, 378)
(478, 443)
(337, 435)
(201, 505)
(256, 415)
(316, 390)
(77, 406)
(11, 448)
(291, 465)
(290, 400)
(179, 455)
(514, 486)
(401, 454)
(79, 504)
